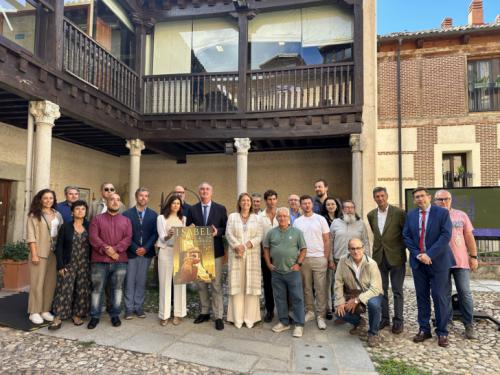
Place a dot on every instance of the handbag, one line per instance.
(354, 293)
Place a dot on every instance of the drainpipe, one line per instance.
(29, 172)
(398, 93)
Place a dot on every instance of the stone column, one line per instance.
(44, 113)
(357, 172)
(242, 146)
(135, 146)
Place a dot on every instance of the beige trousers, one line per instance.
(313, 273)
(42, 284)
(217, 296)
(243, 308)
(165, 273)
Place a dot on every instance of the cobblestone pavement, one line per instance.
(463, 356)
(31, 353)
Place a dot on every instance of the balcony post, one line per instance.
(242, 146)
(50, 34)
(242, 60)
(135, 146)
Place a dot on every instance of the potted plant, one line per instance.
(14, 259)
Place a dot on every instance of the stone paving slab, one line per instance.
(314, 358)
(147, 342)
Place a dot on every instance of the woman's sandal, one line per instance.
(163, 322)
(77, 321)
(56, 324)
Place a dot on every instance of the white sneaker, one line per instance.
(309, 316)
(47, 316)
(298, 331)
(280, 327)
(321, 323)
(36, 319)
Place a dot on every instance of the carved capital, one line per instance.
(135, 146)
(44, 112)
(242, 145)
(355, 142)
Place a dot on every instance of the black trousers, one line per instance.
(396, 274)
(268, 287)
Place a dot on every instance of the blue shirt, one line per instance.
(294, 216)
(64, 209)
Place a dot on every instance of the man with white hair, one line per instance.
(463, 246)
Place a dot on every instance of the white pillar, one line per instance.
(357, 172)
(242, 146)
(135, 146)
(44, 113)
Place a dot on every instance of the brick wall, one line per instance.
(486, 135)
(424, 157)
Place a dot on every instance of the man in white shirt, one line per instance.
(313, 270)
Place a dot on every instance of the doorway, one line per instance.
(4, 210)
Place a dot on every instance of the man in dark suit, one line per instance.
(427, 234)
(209, 213)
(389, 251)
(140, 253)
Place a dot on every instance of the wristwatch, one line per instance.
(473, 256)
(356, 301)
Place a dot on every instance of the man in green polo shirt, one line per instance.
(284, 252)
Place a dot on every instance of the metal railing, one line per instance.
(191, 93)
(484, 96)
(92, 63)
(454, 180)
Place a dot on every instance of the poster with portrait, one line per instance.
(193, 255)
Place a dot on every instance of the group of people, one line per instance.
(312, 258)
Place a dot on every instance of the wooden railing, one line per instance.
(87, 60)
(301, 87)
(191, 93)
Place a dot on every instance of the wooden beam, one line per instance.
(242, 61)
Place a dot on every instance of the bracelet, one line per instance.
(473, 256)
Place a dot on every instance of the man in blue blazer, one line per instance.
(209, 213)
(427, 233)
(140, 253)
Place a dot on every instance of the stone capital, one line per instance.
(242, 145)
(44, 112)
(355, 142)
(135, 146)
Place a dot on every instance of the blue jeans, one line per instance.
(284, 285)
(462, 283)
(135, 283)
(101, 275)
(374, 308)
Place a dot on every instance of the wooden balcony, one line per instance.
(299, 88)
(84, 58)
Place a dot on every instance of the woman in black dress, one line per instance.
(72, 293)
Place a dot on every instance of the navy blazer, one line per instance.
(437, 238)
(147, 230)
(64, 245)
(216, 217)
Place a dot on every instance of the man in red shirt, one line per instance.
(110, 237)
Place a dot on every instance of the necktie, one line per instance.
(205, 215)
(422, 234)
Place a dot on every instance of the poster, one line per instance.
(193, 255)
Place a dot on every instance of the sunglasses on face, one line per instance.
(109, 189)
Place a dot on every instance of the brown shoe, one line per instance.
(356, 330)
(373, 340)
(421, 336)
(443, 341)
(176, 321)
(163, 322)
(397, 328)
(384, 323)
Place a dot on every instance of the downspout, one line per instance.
(398, 94)
(29, 172)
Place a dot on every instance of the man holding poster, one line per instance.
(210, 214)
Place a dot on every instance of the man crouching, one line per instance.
(358, 285)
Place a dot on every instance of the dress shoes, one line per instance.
(93, 323)
(384, 323)
(202, 318)
(443, 341)
(329, 315)
(219, 324)
(268, 318)
(421, 336)
(397, 328)
(115, 321)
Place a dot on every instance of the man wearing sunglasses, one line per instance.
(99, 206)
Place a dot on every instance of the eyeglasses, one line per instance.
(109, 189)
(355, 248)
(441, 199)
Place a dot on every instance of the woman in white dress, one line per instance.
(244, 234)
(171, 216)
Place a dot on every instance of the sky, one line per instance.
(413, 15)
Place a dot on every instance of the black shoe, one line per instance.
(384, 323)
(269, 317)
(115, 321)
(93, 323)
(329, 315)
(397, 328)
(421, 336)
(219, 324)
(202, 318)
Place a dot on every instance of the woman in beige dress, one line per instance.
(41, 232)
(171, 216)
(244, 234)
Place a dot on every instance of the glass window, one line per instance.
(17, 22)
(316, 35)
(79, 13)
(484, 85)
